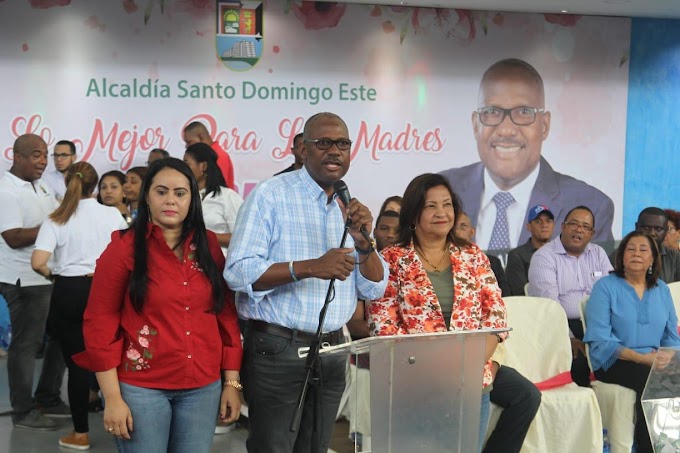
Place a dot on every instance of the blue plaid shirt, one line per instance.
(286, 218)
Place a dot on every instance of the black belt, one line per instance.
(296, 335)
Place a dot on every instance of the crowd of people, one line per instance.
(176, 294)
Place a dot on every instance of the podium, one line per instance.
(424, 390)
(661, 401)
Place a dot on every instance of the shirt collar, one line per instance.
(313, 188)
(14, 179)
(560, 250)
(521, 192)
(153, 230)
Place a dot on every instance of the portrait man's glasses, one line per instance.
(326, 143)
(521, 116)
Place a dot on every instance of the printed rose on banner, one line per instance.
(461, 26)
(319, 15)
(44, 4)
(130, 6)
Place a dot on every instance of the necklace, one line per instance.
(435, 269)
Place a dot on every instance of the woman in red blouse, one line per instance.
(438, 282)
(160, 324)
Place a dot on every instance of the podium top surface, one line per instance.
(363, 346)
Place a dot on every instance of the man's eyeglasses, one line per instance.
(61, 156)
(574, 226)
(650, 228)
(326, 143)
(521, 116)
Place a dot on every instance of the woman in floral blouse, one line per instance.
(160, 324)
(437, 281)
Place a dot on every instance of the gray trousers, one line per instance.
(28, 309)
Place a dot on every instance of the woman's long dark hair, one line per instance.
(192, 222)
(412, 205)
(214, 181)
(650, 279)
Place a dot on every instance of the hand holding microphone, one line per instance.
(358, 216)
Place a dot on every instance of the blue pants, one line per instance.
(174, 421)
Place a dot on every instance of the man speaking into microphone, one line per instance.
(283, 252)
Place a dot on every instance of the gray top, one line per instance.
(443, 288)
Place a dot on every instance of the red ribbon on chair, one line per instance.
(558, 381)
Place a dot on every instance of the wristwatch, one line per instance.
(367, 251)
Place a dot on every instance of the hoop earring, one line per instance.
(148, 211)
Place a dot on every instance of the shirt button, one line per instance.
(186, 308)
(189, 356)
(188, 333)
(185, 283)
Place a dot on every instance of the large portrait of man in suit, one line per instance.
(510, 125)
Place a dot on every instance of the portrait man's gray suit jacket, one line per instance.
(559, 192)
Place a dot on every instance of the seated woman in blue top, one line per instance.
(630, 315)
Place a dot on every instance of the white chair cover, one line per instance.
(675, 294)
(617, 405)
(569, 419)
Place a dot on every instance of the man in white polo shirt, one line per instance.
(26, 202)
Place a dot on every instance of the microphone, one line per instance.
(342, 191)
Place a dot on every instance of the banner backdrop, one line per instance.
(122, 78)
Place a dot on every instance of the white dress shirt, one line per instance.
(24, 205)
(516, 211)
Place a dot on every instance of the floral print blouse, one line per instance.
(410, 304)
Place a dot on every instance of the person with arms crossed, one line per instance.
(565, 270)
(26, 202)
(282, 253)
(540, 223)
(510, 125)
(160, 325)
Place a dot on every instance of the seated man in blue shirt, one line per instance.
(282, 252)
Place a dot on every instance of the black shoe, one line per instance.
(60, 410)
(36, 421)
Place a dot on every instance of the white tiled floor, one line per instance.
(23, 441)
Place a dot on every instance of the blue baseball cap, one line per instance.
(538, 210)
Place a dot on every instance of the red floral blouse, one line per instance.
(410, 304)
